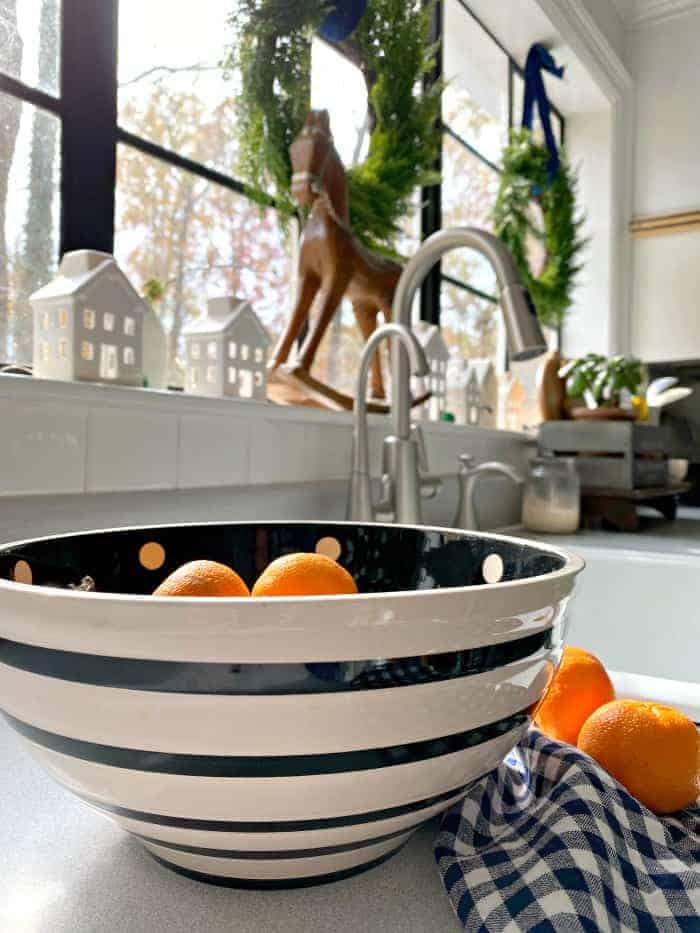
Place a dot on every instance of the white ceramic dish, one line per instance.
(277, 741)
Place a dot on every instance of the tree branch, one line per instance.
(167, 69)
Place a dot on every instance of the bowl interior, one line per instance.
(381, 558)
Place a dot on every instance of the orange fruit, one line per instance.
(579, 686)
(650, 749)
(304, 575)
(202, 578)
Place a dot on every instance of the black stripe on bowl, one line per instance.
(274, 884)
(270, 766)
(280, 854)
(267, 826)
(266, 679)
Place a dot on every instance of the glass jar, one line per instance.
(552, 495)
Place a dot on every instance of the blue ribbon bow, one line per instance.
(539, 60)
(342, 20)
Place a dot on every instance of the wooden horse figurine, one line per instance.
(332, 263)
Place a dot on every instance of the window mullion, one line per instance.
(89, 133)
(431, 197)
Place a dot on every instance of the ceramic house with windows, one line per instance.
(436, 352)
(90, 324)
(481, 394)
(226, 352)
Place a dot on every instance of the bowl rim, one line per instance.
(574, 564)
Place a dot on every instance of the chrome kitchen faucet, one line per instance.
(403, 455)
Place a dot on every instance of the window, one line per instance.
(45, 320)
(108, 321)
(195, 351)
(258, 378)
(211, 349)
(63, 318)
(231, 374)
(179, 228)
(183, 200)
(45, 350)
(338, 87)
(30, 41)
(211, 374)
(87, 350)
(129, 356)
(245, 351)
(63, 348)
(29, 216)
(194, 377)
(170, 206)
(481, 102)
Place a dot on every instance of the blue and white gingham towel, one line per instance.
(549, 842)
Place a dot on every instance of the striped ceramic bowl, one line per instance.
(277, 742)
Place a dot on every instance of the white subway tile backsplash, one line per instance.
(327, 451)
(131, 450)
(42, 448)
(277, 452)
(72, 437)
(213, 451)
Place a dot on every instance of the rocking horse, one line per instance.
(332, 263)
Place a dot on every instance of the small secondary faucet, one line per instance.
(469, 474)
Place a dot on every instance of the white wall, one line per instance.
(664, 58)
(588, 326)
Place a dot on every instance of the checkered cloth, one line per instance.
(549, 841)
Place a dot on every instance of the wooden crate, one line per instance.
(610, 454)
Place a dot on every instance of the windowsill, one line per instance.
(66, 437)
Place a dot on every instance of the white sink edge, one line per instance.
(681, 694)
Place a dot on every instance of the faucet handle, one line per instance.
(467, 462)
(419, 438)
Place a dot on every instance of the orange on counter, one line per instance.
(202, 578)
(651, 749)
(304, 575)
(579, 686)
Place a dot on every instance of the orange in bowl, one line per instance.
(651, 749)
(202, 578)
(579, 686)
(304, 575)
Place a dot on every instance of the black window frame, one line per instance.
(86, 106)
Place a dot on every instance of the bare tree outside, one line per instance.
(10, 113)
(193, 237)
(37, 255)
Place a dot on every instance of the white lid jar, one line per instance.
(552, 495)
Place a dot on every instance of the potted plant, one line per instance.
(597, 385)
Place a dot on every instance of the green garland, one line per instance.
(272, 54)
(525, 169)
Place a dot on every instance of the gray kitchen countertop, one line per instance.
(66, 869)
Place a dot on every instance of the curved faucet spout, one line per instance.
(360, 506)
(523, 331)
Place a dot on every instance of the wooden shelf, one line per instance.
(665, 224)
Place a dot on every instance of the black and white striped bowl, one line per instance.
(276, 742)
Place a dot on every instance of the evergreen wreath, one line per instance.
(524, 179)
(272, 53)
